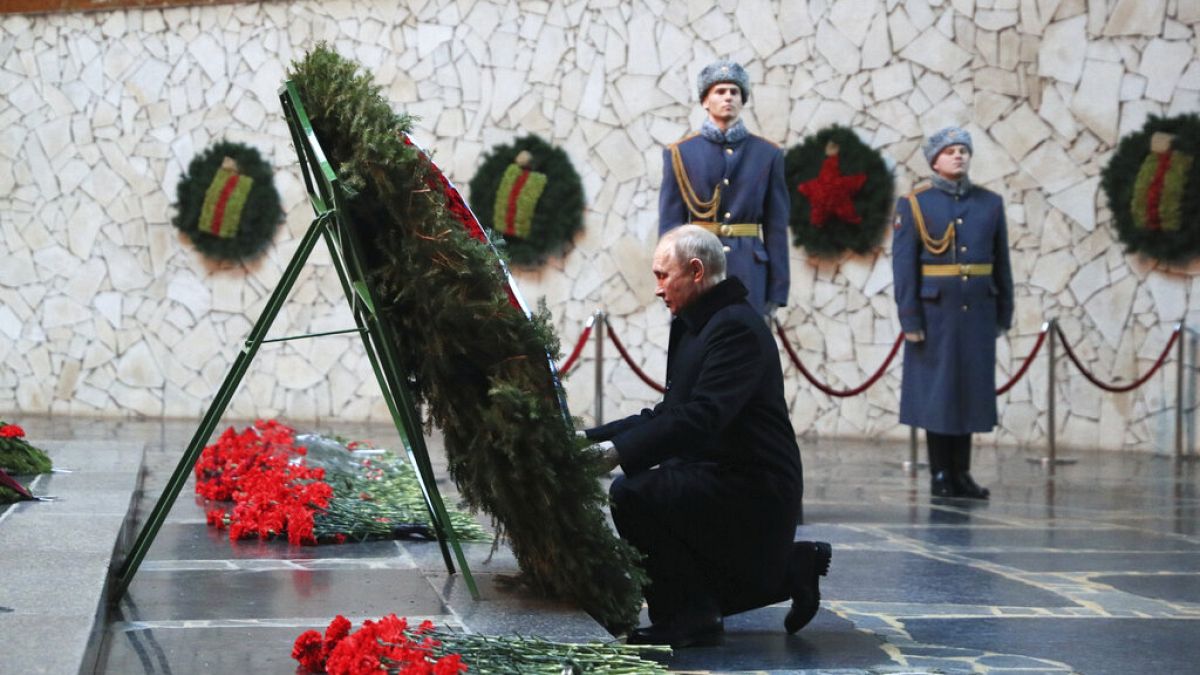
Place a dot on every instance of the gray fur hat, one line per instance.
(723, 70)
(944, 138)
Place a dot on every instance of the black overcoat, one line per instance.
(716, 464)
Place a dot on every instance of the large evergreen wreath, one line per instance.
(227, 203)
(841, 193)
(529, 193)
(478, 364)
(1153, 188)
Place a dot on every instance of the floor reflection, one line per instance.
(1063, 570)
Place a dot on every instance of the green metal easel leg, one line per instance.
(241, 364)
(419, 454)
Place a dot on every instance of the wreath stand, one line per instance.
(332, 225)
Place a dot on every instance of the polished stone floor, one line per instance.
(1091, 568)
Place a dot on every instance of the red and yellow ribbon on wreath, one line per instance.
(224, 201)
(517, 197)
(1158, 188)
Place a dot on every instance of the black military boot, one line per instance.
(941, 474)
(808, 562)
(965, 485)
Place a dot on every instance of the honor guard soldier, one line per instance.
(732, 184)
(954, 296)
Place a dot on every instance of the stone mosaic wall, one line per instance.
(104, 310)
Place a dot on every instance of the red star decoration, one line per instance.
(831, 193)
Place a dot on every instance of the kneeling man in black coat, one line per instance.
(712, 479)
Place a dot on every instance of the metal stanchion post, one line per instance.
(601, 321)
(1052, 459)
(1182, 426)
(910, 467)
(1179, 352)
(1052, 383)
(1190, 398)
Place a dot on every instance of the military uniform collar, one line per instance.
(726, 293)
(735, 133)
(956, 188)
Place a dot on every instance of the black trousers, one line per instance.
(713, 541)
(949, 446)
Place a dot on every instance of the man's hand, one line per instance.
(769, 309)
(603, 456)
(915, 336)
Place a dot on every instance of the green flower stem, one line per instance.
(372, 501)
(486, 654)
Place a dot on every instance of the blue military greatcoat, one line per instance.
(949, 379)
(749, 170)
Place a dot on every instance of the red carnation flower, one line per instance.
(11, 431)
(451, 664)
(338, 629)
(387, 644)
(307, 650)
(216, 518)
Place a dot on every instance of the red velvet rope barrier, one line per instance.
(795, 359)
(1028, 360)
(1162, 358)
(583, 338)
(628, 359)
(825, 388)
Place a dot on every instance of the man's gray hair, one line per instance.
(693, 241)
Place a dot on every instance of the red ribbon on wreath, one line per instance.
(457, 206)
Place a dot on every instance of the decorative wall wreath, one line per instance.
(530, 194)
(842, 193)
(227, 205)
(1153, 187)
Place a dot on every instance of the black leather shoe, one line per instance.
(968, 488)
(809, 562)
(683, 631)
(942, 484)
